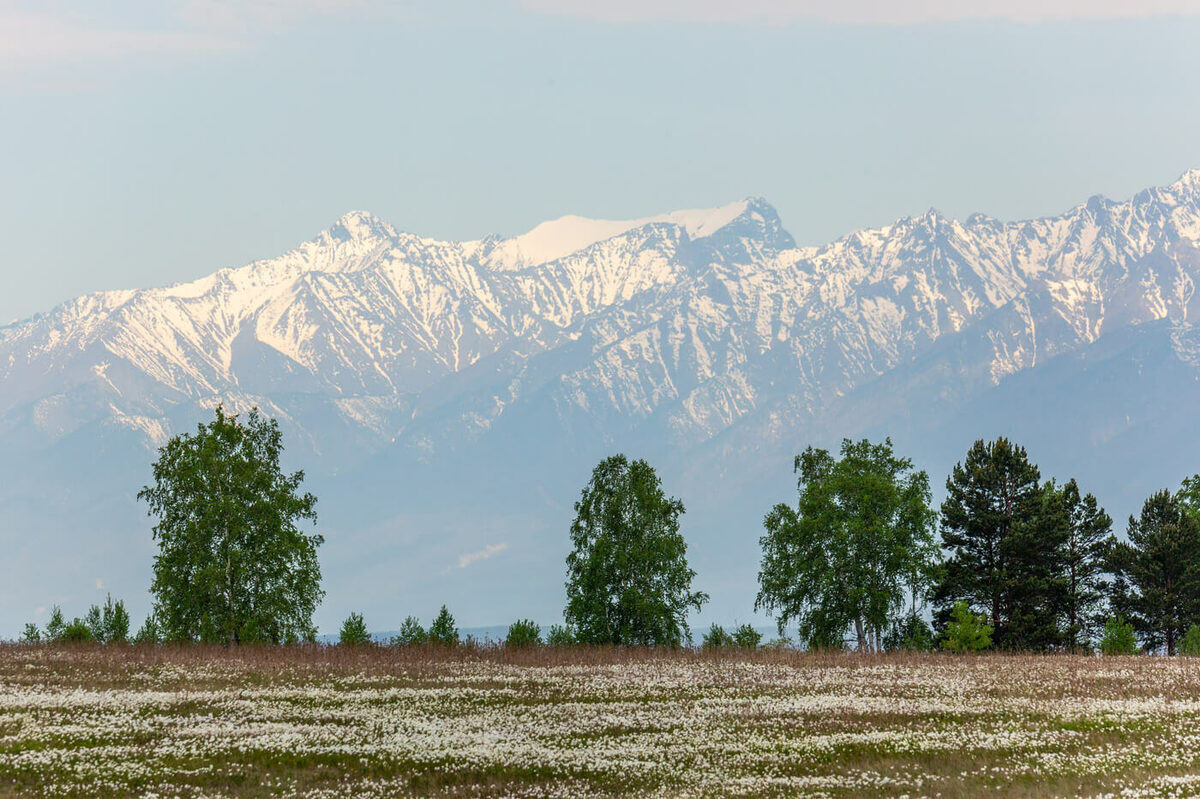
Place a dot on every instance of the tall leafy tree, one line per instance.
(1160, 566)
(1004, 534)
(628, 580)
(857, 546)
(233, 565)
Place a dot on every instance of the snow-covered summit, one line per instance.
(561, 237)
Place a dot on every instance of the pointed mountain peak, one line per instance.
(1188, 182)
(360, 225)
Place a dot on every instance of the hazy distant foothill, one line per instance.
(446, 399)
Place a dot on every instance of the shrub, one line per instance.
(966, 631)
(411, 633)
(31, 635)
(560, 635)
(717, 638)
(354, 631)
(442, 630)
(909, 632)
(746, 637)
(77, 632)
(1118, 637)
(523, 632)
(780, 644)
(1190, 644)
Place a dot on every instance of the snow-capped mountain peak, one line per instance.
(561, 237)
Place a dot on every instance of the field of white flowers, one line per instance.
(163, 722)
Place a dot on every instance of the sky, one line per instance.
(146, 143)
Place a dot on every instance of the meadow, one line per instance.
(566, 722)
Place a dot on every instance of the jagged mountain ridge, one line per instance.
(681, 325)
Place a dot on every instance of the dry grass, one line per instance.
(472, 722)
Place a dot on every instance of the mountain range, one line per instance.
(448, 399)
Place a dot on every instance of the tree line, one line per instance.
(862, 559)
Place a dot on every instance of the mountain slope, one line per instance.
(706, 339)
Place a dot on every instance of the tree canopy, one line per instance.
(857, 546)
(232, 566)
(628, 580)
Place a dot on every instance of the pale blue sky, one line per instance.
(150, 142)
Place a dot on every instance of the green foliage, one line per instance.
(1085, 560)
(149, 633)
(232, 565)
(966, 631)
(746, 637)
(77, 632)
(1118, 637)
(354, 631)
(909, 632)
(1159, 571)
(442, 630)
(716, 638)
(110, 624)
(56, 627)
(780, 644)
(858, 544)
(95, 623)
(560, 635)
(32, 634)
(411, 633)
(523, 632)
(1190, 643)
(1032, 554)
(628, 580)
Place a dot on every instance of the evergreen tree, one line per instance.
(149, 633)
(32, 634)
(354, 631)
(746, 637)
(1005, 534)
(856, 549)
(1118, 637)
(716, 638)
(966, 631)
(1086, 554)
(232, 565)
(442, 630)
(411, 633)
(1160, 567)
(523, 632)
(57, 626)
(628, 581)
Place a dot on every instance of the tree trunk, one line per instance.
(861, 634)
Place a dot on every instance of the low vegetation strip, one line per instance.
(548, 722)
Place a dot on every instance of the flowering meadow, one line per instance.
(467, 722)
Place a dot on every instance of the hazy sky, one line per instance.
(150, 142)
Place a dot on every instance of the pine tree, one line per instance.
(1005, 534)
(354, 631)
(443, 630)
(1160, 565)
(1086, 552)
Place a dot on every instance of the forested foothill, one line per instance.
(862, 560)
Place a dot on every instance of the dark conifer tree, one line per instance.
(1001, 545)
(1159, 571)
(1088, 543)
